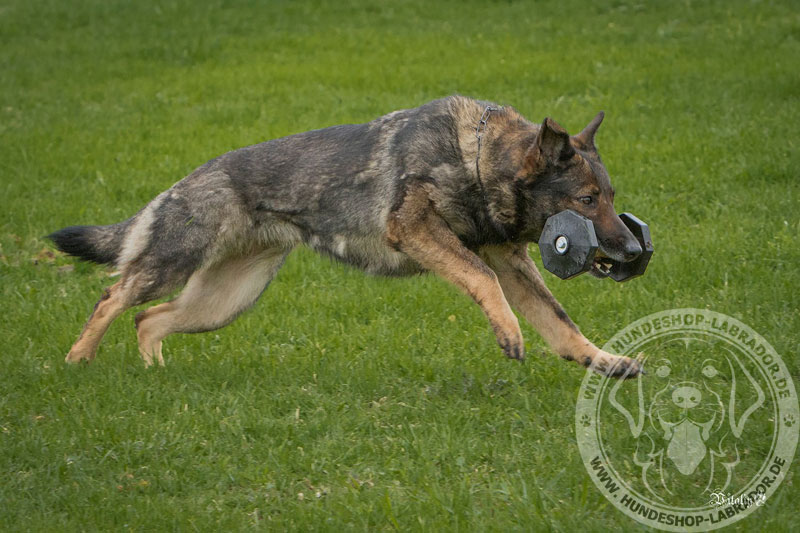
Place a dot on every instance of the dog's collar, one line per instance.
(480, 129)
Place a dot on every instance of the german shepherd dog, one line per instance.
(457, 187)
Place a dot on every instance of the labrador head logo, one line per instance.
(691, 424)
(713, 416)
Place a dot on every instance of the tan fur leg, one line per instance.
(109, 307)
(419, 232)
(525, 288)
(149, 340)
(212, 298)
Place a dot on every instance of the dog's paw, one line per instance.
(513, 349)
(616, 366)
(76, 356)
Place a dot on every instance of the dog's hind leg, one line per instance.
(137, 286)
(110, 306)
(213, 297)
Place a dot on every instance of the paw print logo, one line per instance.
(789, 420)
(586, 421)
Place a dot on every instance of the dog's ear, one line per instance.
(552, 146)
(553, 141)
(586, 137)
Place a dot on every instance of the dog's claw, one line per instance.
(517, 356)
(75, 357)
(616, 366)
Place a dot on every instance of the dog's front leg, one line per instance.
(524, 287)
(416, 230)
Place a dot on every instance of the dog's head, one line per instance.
(566, 172)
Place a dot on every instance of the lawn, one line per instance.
(343, 401)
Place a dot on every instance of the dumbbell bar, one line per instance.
(568, 245)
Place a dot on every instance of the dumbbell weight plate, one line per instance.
(624, 271)
(568, 244)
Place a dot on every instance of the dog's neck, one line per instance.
(502, 137)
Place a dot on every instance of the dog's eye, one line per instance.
(709, 371)
(663, 371)
(588, 200)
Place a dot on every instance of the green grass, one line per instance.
(385, 403)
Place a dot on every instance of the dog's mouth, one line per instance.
(601, 266)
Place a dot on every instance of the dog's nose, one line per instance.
(632, 250)
(686, 397)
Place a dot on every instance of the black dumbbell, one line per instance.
(620, 271)
(568, 245)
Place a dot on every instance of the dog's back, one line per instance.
(331, 188)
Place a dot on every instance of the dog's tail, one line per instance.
(99, 244)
